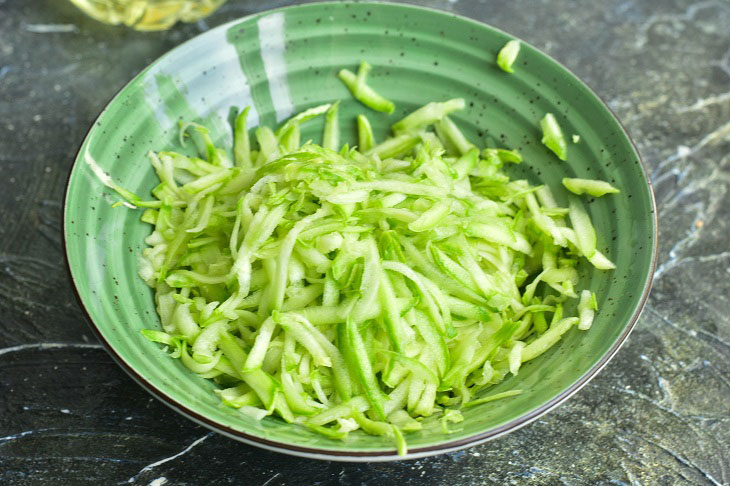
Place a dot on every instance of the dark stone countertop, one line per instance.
(658, 414)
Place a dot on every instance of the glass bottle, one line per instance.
(148, 14)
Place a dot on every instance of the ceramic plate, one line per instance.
(283, 61)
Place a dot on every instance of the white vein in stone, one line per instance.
(688, 15)
(675, 262)
(271, 479)
(630, 475)
(150, 467)
(16, 436)
(47, 346)
(703, 103)
(723, 63)
(51, 28)
(721, 133)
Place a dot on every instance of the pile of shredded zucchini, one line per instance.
(360, 288)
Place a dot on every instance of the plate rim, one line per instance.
(388, 454)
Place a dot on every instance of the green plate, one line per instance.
(284, 61)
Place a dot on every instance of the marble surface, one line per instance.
(658, 414)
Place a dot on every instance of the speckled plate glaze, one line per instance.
(284, 61)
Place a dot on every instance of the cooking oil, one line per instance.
(147, 14)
